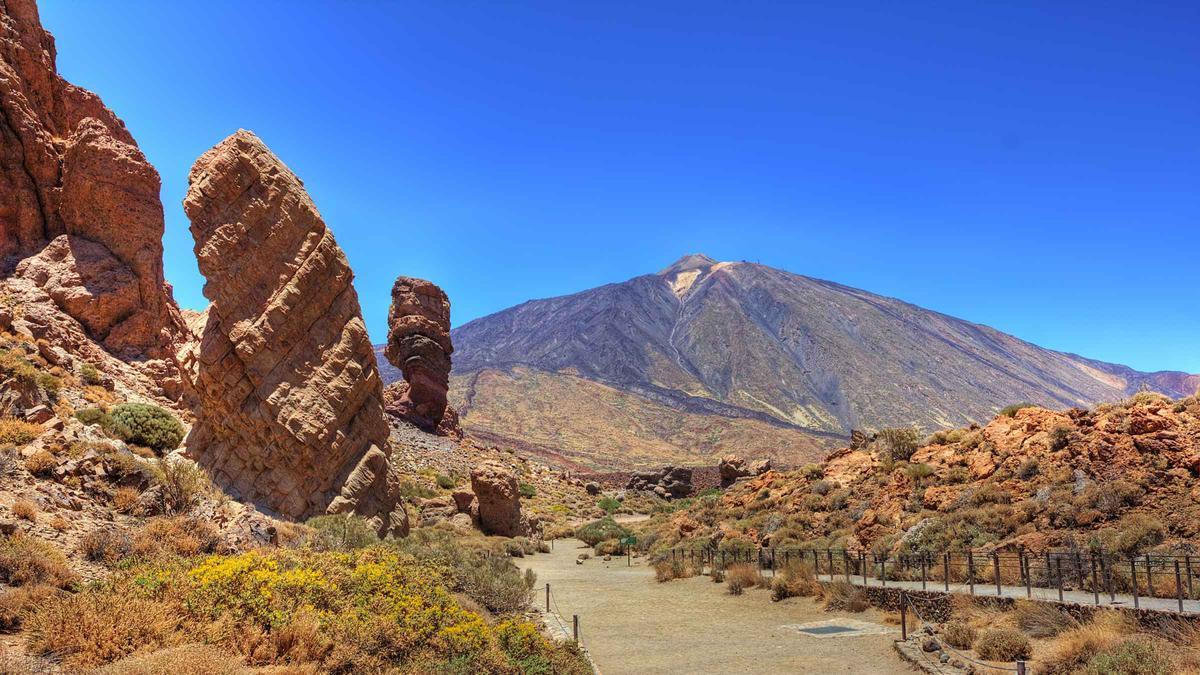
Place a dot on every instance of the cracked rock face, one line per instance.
(419, 345)
(290, 412)
(68, 167)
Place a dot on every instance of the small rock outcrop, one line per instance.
(669, 482)
(498, 500)
(419, 345)
(290, 413)
(77, 193)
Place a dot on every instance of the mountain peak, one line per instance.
(690, 261)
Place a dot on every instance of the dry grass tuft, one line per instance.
(846, 597)
(16, 603)
(959, 635)
(796, 580)
(179, 535)
(126, 499)
(25, 510)
(1042, 620)
(189, 659)
(666, 570)
(18, 432)
(40, 463)
(1072, 649)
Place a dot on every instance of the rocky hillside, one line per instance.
(1121, 476)
(706, 357)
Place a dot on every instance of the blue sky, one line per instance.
(1033, 166)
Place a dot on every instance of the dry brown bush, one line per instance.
(16, 603)
(182, 660)
(90, 629)
(846, 597)
(126, 499)
(25, 510)
(742, 576)
(178, 535)
(959, 635)
(40, 463)
(1003, 644)
(25, 559)
(795, 580)
(107, 546)
(666, 570)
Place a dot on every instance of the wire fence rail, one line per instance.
(558, 619)
(1164, 582)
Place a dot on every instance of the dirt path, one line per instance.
(632, 624)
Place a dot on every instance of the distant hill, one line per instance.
(708, 357)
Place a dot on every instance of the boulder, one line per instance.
(731, 468)
(592, 488)
(499, 501)
(68, 167)
(463, 499)
(419, 345)
(290, 414)
(668, 482)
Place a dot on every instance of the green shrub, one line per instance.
(598, 530)
(18, 432)
(445, 482)
(918, 472)
(341, 532)
(1011, 410)
(527, 491)
(1138, 532)
(49, 384)
(181, 481)
(1003, 644)
(1135, 656)
(92, 416)
(901, 442)
(609, 504)
(89, 373)
(146, 424)
(1060, 437)
(812, 471)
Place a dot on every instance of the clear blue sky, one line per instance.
(1034, 166)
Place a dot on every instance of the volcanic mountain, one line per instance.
(709, 357)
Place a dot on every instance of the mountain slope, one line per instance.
(745, 342)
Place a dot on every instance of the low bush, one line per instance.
(527, 491)
(40, 463)
(147, 425)
(900, 442)
(1071, 650)
(598, 530)
(126, 498)
(443, 481)
(25, 559)
(609, 505)
(742, 576)
(1136, 655)
(92, 416)
(16, 603)
(1003, 644)
(340, 532)
(183, 483)
(107, 546)
(846, 597)
(25, 510)
(1136, 533)
(175, 536)
(95, 627)
(1011, 410)
(959, 634)
(18, 432)
(795, 580)
(667, 570)
(89, 374)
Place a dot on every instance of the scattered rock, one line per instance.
(290, 413)
(592, 488)
(668, 482)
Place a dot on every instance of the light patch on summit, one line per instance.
(684, 282)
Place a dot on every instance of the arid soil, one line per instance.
(632, 624)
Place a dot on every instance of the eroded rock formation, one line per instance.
(419, 345)
(669, 482)
(71, 176)
(290, 410)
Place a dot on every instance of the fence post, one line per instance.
(971, 571)
(1095, 585)
(1133, 580)
(883, 570)
(1024, 563)
(1187, 563)
(547, 597)
(1106, 571)
(946, 570)
(1020, 668)
(904, 616)
(829, 556)
(846, 564)
(1178, 587)
(862, 565)
(575, 627)
(1058, 570)
(996, 572)
(1149, 578)
(923, 561)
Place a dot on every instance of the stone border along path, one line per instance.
(630, 623)
(988, 590)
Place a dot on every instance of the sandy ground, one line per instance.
(632, 624)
